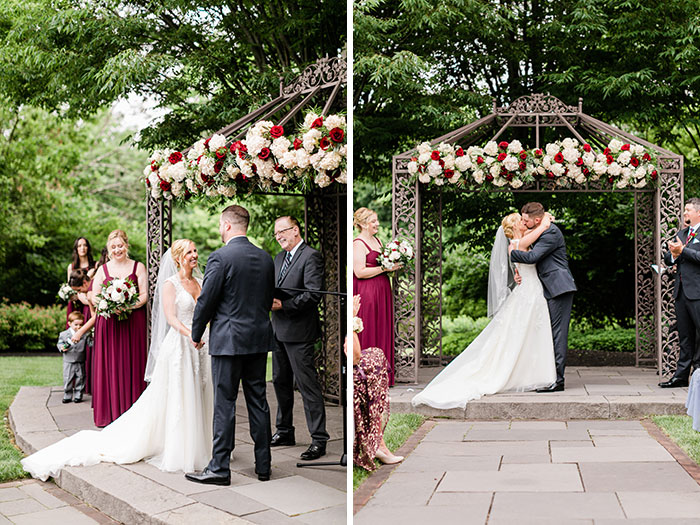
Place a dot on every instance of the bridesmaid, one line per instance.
(119, 357)
(371, 281)
(82, 258)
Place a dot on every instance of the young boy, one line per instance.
(73, 359)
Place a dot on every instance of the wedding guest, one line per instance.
(296, 326)
(371, 281)
(81, 283)
(82, 259)
(73, 359)
(684, 254)
(119, 358)
(370, 401)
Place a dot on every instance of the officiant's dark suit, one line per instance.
(296, 325)
(549, 254)
(686, 292)
(236, 298)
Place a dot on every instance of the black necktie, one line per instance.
(285, 267)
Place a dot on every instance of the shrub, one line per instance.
(26, 328)
(613, 339)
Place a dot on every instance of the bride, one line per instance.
(170, 424)
(514, 353)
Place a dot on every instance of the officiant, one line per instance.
(296, 325)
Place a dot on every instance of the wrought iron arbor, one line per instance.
(417, 215)
(324, 209)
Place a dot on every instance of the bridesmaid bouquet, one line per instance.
(395, 252)
(66, 293)
(117, 296)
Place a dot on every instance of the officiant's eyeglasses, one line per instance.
(282, 231)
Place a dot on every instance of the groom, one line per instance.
(236, 297)
(549, 254)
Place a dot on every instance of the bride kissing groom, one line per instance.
(524, 346)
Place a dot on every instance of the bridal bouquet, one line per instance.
(66, 293)
(117, 295)
(396, 252)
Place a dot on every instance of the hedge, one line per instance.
(27, 328)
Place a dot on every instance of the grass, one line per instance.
(397, 431)
(680, 430)
(16, 372)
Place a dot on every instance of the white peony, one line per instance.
(615, 145)
(511, 163)
(640, 173)
(331, 161)
(463, 163)
(176, 188)
(217, 141)
(455, 178)
(589, 159)
(445, 149)
(323, 180)
(540, 170)
(575, 172)
(310, 140)
(499, 181)
(198, 148)
(494, 170)
(614, 169)
(449, 162)
(491, 148)
(334, 121)
(424, 149)
(280, 146)
(600, 167)
(412, 167)
(515, 147)
(478, 177)
(547, 162)
(177, 172)
(580, 178)
(569, 143)
(558, 169)
(289, 160)
(474, 151)
(147, 171)
(103, 305)
(570, 155)
(624, 158)
(424, 158)
(303, 158)
(637, 150)
(516, 183)
(440, 181)
(206, 165)
(552, 149)
(434, 169)
(424, 178)
(342, 178)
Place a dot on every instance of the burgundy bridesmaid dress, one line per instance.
(118, 362)
(376, 310)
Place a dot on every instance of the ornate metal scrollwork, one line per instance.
(645, 255)
(431, 277)
(535, 104)
(159, 237)
(325, 72)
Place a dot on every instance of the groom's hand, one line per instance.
(676, 247)
(517, 278)
(276, 305)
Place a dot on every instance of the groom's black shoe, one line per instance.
(263, 476)
(313, 452)
(554, 387)
(674, 382)
(281, 440)
(208, 477)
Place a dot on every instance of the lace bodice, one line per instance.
(184, 302)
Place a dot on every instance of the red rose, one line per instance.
(276, 131)
(634, 161)
(579, 162)
(199, 158)
(204, 177)
(148, 182)
(238, 146)
(280, 169)
(119, 290)
(550, 175)
(606, 151)
(625, 147)
(264, 154)
(337, 135)
(221, 153)
(175, 157)
(479, 160)
(501, 157)
(654, 175)
(489, 177)
(449, 174)
(128, 284)
(317, 123)
(297, 143)
(587, 148)
(509, 177)
(521, 165)
(523, 154)
(610, 180)
(610, 159)
(254, 168)
(435, 155)
(586, 172)
(442, 163)
(646, 156)
(154, 166)
(503, 145)
(559, 158)
(324, 143)
(459, 152)
(164, 185)
(538, 153)
(206, 143)
(218, 165)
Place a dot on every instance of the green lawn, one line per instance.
(680, 430)
(397, 431)
(16, 372)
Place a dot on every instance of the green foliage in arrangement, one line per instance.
(26, 328)
(16, 372)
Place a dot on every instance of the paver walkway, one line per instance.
(597, 472)
(140, 493)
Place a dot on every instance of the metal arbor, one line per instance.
(324, 208)
(417, 215)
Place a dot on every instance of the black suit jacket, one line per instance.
(549, 254)
(236, 297)
(298, 320)
(688, 267)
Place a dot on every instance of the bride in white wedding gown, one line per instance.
(170, 425)
(514, 353)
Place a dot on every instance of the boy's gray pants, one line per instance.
(73, 379)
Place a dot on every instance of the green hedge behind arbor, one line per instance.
(26, 328)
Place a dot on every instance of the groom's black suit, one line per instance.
(549, 254)
(236, 297)
(686, 292)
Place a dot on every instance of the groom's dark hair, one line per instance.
(533, 209)
(237, 216)
(694, 202)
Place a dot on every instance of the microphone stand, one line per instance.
(343, 461)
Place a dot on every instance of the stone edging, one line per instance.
(692, 468)
(365, 491)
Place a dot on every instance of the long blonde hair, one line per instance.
(361, 217)
(178, 249)
(509, 224)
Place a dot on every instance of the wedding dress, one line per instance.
(514, 353)
(170, 425)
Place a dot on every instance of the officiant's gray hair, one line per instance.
(694, 202)
(237, 216)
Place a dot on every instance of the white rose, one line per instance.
(334, 121)
(614, 169)
(310, 140)
(600, 168)
(570, 155)
(615, 145)
(624, 158)
(516, 183)
(309, 119)
(601, 158)
(569, 143)
(491, 148)
(280, 146)
(479, 177)
(434, 169)
(552, 149)
(424, 149)
(412, 167)
(510, 163)
(424, 178)
(515, 147)
(589, 159)
(424, 158)
(463, 163)
(494, 170)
